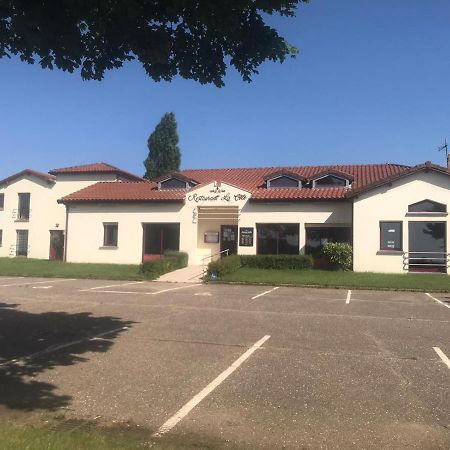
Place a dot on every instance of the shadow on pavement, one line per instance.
(23, 333)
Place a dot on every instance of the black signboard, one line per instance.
(246, 237)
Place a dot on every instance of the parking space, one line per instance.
(333, 368)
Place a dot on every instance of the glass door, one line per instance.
(22, 243)
(427, 247)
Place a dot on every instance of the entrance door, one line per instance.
(56, 244)
(427, 247)
(22, 243)
(228, 239)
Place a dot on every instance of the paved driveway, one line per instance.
(230, 366)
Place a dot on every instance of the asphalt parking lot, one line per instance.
(243, 366)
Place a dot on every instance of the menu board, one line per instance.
(246, 236)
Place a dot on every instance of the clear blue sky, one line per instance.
(371, 84)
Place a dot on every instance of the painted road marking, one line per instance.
(55, 348)
(203, 294)
(42, 287)
(11, 278)
(191, 404)
(36, 282)
(110, 285)
(264, 293)
(437, 300)
(443, 356)
(349, 295)
(173, 289)
(117, 292)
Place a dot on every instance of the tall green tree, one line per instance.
(196, 40)
(164, 155)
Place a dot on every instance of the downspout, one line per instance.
(66, 233)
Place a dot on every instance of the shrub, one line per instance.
(277, 262)
(223, 266)
(172, 260)
(339, 255)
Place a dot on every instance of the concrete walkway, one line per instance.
(190, 274)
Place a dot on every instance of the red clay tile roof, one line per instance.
(41, 175)
(426, 167)
(294, 194)
(100, 167)
(250, 179)
(124, 192)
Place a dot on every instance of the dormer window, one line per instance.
(175, 182)
(331, 179)
(427, 206)
(284, 180)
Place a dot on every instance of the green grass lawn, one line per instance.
(17, 437)
(355, 280)
(44, 268)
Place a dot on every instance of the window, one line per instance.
(110, 234)
(391, 236)
(173, 183)
(330, 181)
(1, 238)
(161, 237)
(278, 239)
(22, 243)
(427, 206)
(23, 212)
(283, 181)
(317, 237)
(2, 202)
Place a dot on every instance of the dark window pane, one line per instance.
(427, 245)
(1, 238)
(283, 182)
(173, 183)
(278, 239)
(110, 234)
(391, 236)
(427, 206)
(161, 237)
(2, 201)
(22, 243)
(330, 181)
(171, 237)
(24, 206)
(317, 237)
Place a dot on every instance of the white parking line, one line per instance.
(443, 356)
(265, 292)
(173, 289)
(10, 278)
(42, 287)
(349, 295)
(37, 282)
(437, 300)
(191, 404)
(55, 348)
(110, 286)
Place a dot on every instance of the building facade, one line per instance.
(32, 222)
(395, 216)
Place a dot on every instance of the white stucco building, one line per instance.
(30, 216)
(395, 216)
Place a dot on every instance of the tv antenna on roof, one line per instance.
(443, 148)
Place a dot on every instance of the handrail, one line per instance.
(437, 259)
(227, 251)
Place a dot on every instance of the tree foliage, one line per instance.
(163, 152)
(191, 38)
